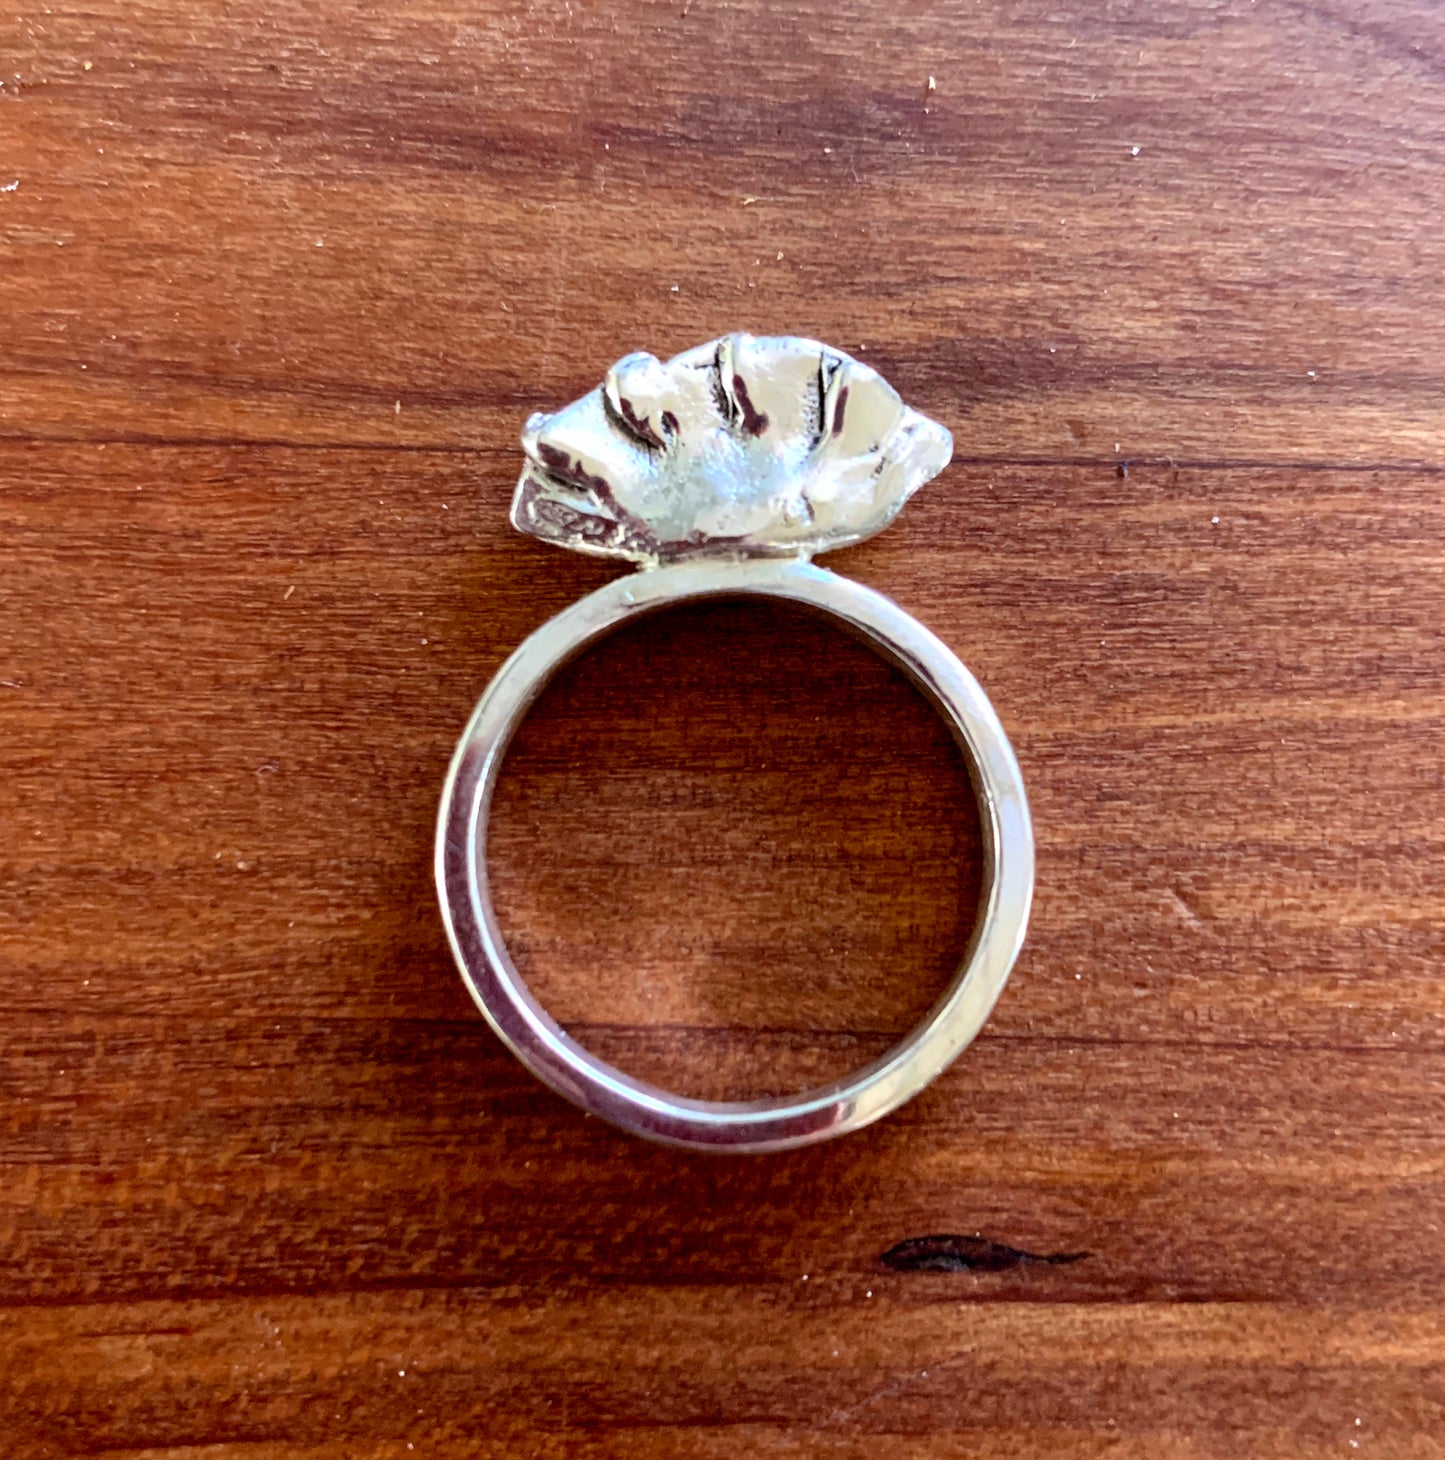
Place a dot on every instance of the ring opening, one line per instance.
(734, 851)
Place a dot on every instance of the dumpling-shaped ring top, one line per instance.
(739, 448)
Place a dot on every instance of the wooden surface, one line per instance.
(279, 282)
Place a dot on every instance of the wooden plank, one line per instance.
(415, 1153)
(245, 1066)
(276, 222)
(850, 1374)
(1230, 733)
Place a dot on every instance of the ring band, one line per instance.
(757, 1125)
(682, 577)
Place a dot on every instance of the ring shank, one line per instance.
(755, 1125)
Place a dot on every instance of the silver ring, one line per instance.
(719, 474)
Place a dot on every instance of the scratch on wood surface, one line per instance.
(886, 1390)
(1187, 913)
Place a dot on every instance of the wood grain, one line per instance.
(279, 284)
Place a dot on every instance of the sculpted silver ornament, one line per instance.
(740, 448)
(720, 473)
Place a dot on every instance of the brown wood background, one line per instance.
(279, 282)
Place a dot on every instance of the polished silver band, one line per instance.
(755, 1125)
